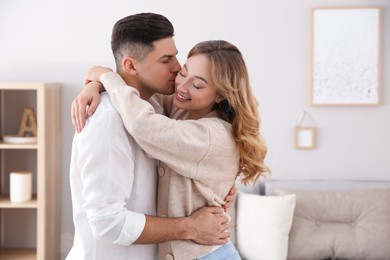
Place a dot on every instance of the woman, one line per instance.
(214, 128)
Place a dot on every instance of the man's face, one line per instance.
(157, 72)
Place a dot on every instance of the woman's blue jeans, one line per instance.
(225, 252)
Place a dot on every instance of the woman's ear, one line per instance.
(129, 65)
(219, 98)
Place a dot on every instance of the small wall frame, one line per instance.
(345, 56)
(305, 137)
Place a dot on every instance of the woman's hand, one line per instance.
(85, 104)
(230, 198)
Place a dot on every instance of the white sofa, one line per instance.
(312, 219)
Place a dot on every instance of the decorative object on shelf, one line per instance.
(20, 188)
(14, 139)
(305, 135)
(345, 66)
(27, 130)
(28, 123)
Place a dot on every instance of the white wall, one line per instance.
(57, 40)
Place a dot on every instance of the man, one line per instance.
(113, 183)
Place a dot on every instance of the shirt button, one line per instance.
(161, 171)
(169, 257)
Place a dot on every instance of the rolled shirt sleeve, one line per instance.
(104, 158)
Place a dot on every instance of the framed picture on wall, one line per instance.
(345, 58)
(305, 137)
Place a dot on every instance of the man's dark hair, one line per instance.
(134, 35)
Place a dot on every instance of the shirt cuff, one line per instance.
(132, 228)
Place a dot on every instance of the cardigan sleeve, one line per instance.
(181, 144)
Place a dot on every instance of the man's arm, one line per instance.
(204, 226)
(104, 158)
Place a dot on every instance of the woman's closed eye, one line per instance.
(181, 73)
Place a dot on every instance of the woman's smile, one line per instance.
(181, 98)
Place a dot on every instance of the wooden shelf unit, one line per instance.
(18, 254)
(43, 160)
(5, 203)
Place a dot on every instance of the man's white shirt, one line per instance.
(113, 184)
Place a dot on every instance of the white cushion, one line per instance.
(263, 225)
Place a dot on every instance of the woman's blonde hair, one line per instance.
(230, 75)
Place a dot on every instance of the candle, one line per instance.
(20, 186)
